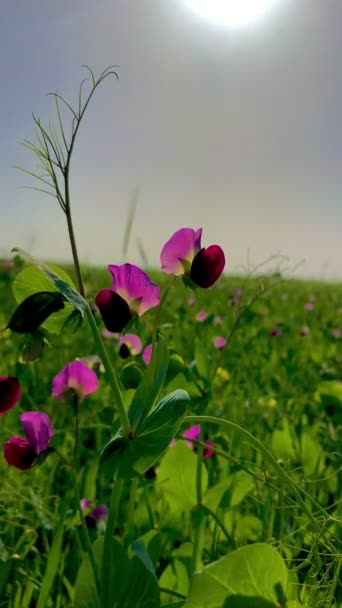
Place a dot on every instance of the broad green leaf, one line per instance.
(151, 385)
(229, 492)
(175, 578)
(137, 454)
(282, 442)
(32, 280)
(312, 454)
(177, 477)
(250, 577)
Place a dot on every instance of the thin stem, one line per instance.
(72, 237)
(107, 556)
(126, 429)
(77, 433)
(199, 520)
(171, 592)
(158, 310)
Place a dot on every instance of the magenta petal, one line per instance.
(135, 287)
(38, 430)
(115, 311)
(147, 354)
(220, 342)
(19, 453)
(183, 245)
(9, 393)
(133, 342)
(207, 452)
(85, 503)
(99, 512)
(193, 432)
(75, 377)
(207, 266)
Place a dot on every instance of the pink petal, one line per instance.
(85, 503)
(207, 453)
(220, 342)
(193, 432)
(147, 354)
(134, 286)
(201, 315)
(9, 393)
(133, 343)
(19, 453)
(207, 266)
(182, 246)
(38, 430)
(74, 377)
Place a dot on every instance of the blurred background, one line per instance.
(235, 128)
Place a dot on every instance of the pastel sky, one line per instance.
(237, 131)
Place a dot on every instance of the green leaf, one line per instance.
(202, 360)
(137, 454)
(249, 577)
(177, 477)
(54, 559)
(33, 347)
(131, 375)
(150, 388)
(282, 442)
(32, 280)
(130, 584)
(34, 310)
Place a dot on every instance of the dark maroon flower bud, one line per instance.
(19, 453)
(207, 266)
(9, 393)
(115, 311)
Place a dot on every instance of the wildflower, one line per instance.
(74, 379)
(222, 375)
(193, 433)
(9, 393)
(191, 301)
(22, 453)
(147, 354)
(183, 255)
(312, 298)
(308, 306)
(335, 333)
(129, 344)
(275, 332)
(132, 293)
(95, 515)
(220, 342)
(201, 316)
(217, 320)
(304, 331)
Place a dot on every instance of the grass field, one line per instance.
(276, 496)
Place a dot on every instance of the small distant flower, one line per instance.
(237, 293)
(183, 255)
(96, 515)
(275, 332)
(22, 453)
(217, 320)
(193, 433)
(222, 375)
(312, 298)
(220, 342)
(74, 378)
(201, 316)
(129, 344)
(308, 306)
(305, 330)
(147, 354)
(336, 333)
(132, 293)
(9, 393)
(7, 264)
(191, 301)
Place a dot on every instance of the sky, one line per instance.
(233, 130)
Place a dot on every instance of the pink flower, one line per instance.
(304, 331)
(220, 342)
(336, 333)
(129, 344)
(183, 255)
(147, 354)
(217, 320)
(201, 316)
(308, 306)
(132, 293)
(193, 433)
(9, 393)
(74, 378)
(97, 514)
(22, 453)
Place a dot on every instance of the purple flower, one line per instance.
(217, 320)
(147, 354)
(336, 333)
(275, 332)
(74, 378)
(308, 306)
(132, 293)
(193, 433)
(129, 344)
(96, 515)
(201, 316)
(22, 453)
(9, 393)
(220, 342)
(304, 331)
(183, 255)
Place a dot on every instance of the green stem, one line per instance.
(296, 489)
(199, 520)
(77, 265)
(77, 433)
(107, 556)
(158, 310)
(102, 351)
(131, 505)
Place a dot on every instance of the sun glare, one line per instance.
(232, 13)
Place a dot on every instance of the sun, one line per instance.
(232, 13)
